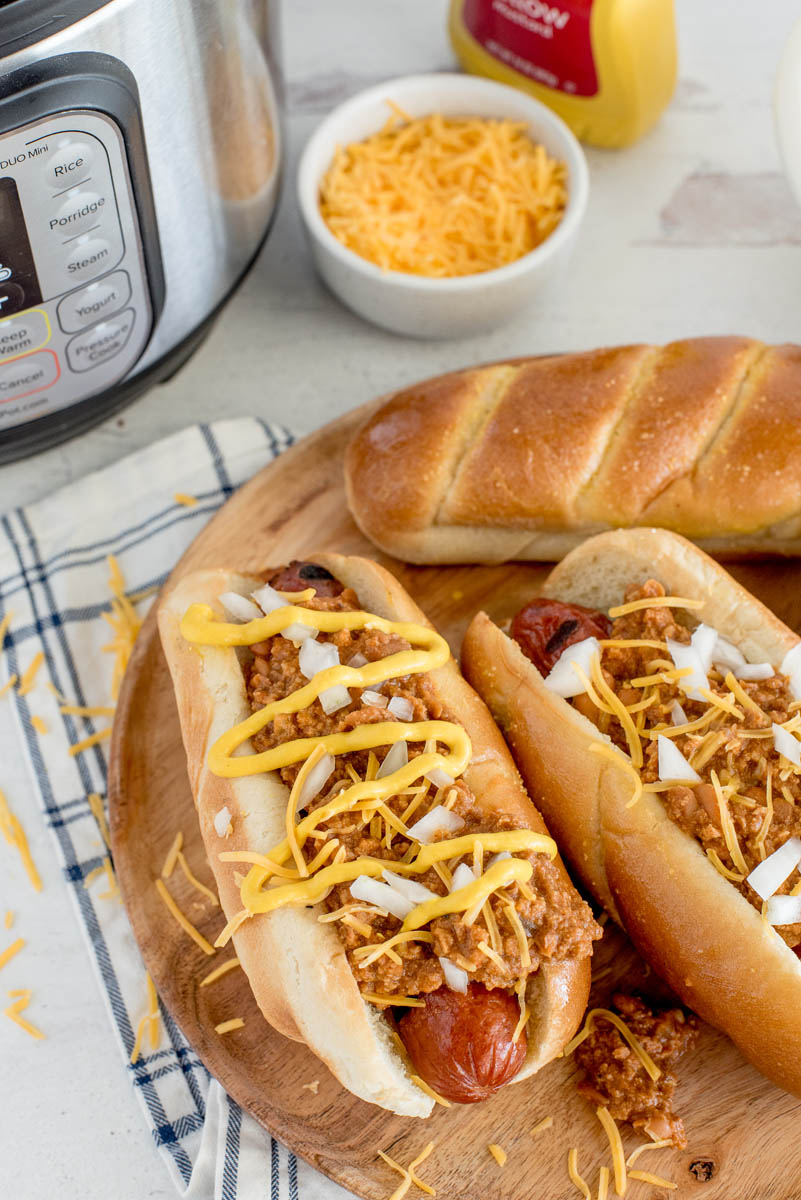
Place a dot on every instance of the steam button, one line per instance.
(88, 257)
(68, 164)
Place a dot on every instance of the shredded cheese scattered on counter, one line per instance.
(11, 950)
(498, 1153)
(603, 1183)
(87, 710)
(408, 1174)
(4, 626)
(8, 685)
(658, 1145)
(541, 1126)
(313, 1086)
(39, 724)
(616, 1146)
(182, 919)
(654, 1180)
(9, 918)
(443, 196)
(125, 624)
(28, 676)
(573, 1172)
(95, 801)
(196, 884)
(87, 742)
(229, 1026)
(15, 836)
(22, 998)
(149, 1021)
(185, 499)
(218, 972)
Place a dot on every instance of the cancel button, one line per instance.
(100, 343)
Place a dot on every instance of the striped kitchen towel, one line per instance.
(54, 578)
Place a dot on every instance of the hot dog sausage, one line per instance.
(461, 1044)
(300, 575)
(544, 628)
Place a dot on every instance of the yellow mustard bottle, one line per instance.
(607, 67)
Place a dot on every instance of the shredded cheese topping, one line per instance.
(658, 1145)
(541, 1126)
(182, 919)
(604, 1014)
(573, 1172)
(218, 972)
(229, 1026)
(622, 610)
(429, 1091)
(443, 196)
(654, 1180)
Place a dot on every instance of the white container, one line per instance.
(413, 304)
(787, 108)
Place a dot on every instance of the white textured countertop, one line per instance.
(691, 231)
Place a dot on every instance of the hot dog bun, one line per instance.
(296, 966)
(698, 932)
(523, 460)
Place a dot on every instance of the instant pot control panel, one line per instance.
(75, 307)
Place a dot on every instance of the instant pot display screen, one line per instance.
(19, 284)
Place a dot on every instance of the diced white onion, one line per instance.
(784, 910)
(786, 744)
(727, 655)
(755, 671)
(317, 656)
(268, 599)
(334, 698)
(498, 858)
(410, 889)
(791, 666)
(438, 820)
(439, 777)
(374, 699)
(397, 757)
(357, 661)
(462, 876)
(455, 977)
(562, 679)
(315, 781)
(688, 656)
(239, 607)
(401, 708)
(298, 632)
(677, 714)
(222, 820)
(673, 764)
(768, 876)
(703, 641)
(382, 895)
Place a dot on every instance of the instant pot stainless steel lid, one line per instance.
(23, 22)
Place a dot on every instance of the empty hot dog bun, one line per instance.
(702, 933)
(524, 460)
(303, 971)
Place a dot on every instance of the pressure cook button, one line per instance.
(68, 164)
(79, 211)
(87, 258)
(92, 303)
(23, 333)
(100, 343)
(32, 373)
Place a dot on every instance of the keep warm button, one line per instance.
(100, 343)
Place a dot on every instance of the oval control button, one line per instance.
(92, 303)
(79, 211)
(21, 334)
(100, 343)
(89, 257)
(68, 164)
(29, 374)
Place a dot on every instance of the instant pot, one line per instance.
(140, 156)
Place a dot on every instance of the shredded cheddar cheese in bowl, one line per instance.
(443, 196)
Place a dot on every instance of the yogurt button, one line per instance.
(93, 303)
(68, 164)
(79, 211)
(21, 334)
(88, 258)
(100, 343)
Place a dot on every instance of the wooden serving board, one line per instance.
(742, 1132)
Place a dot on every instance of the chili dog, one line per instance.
(403, 910)
(653, 705)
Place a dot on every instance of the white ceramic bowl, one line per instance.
(413, 304)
